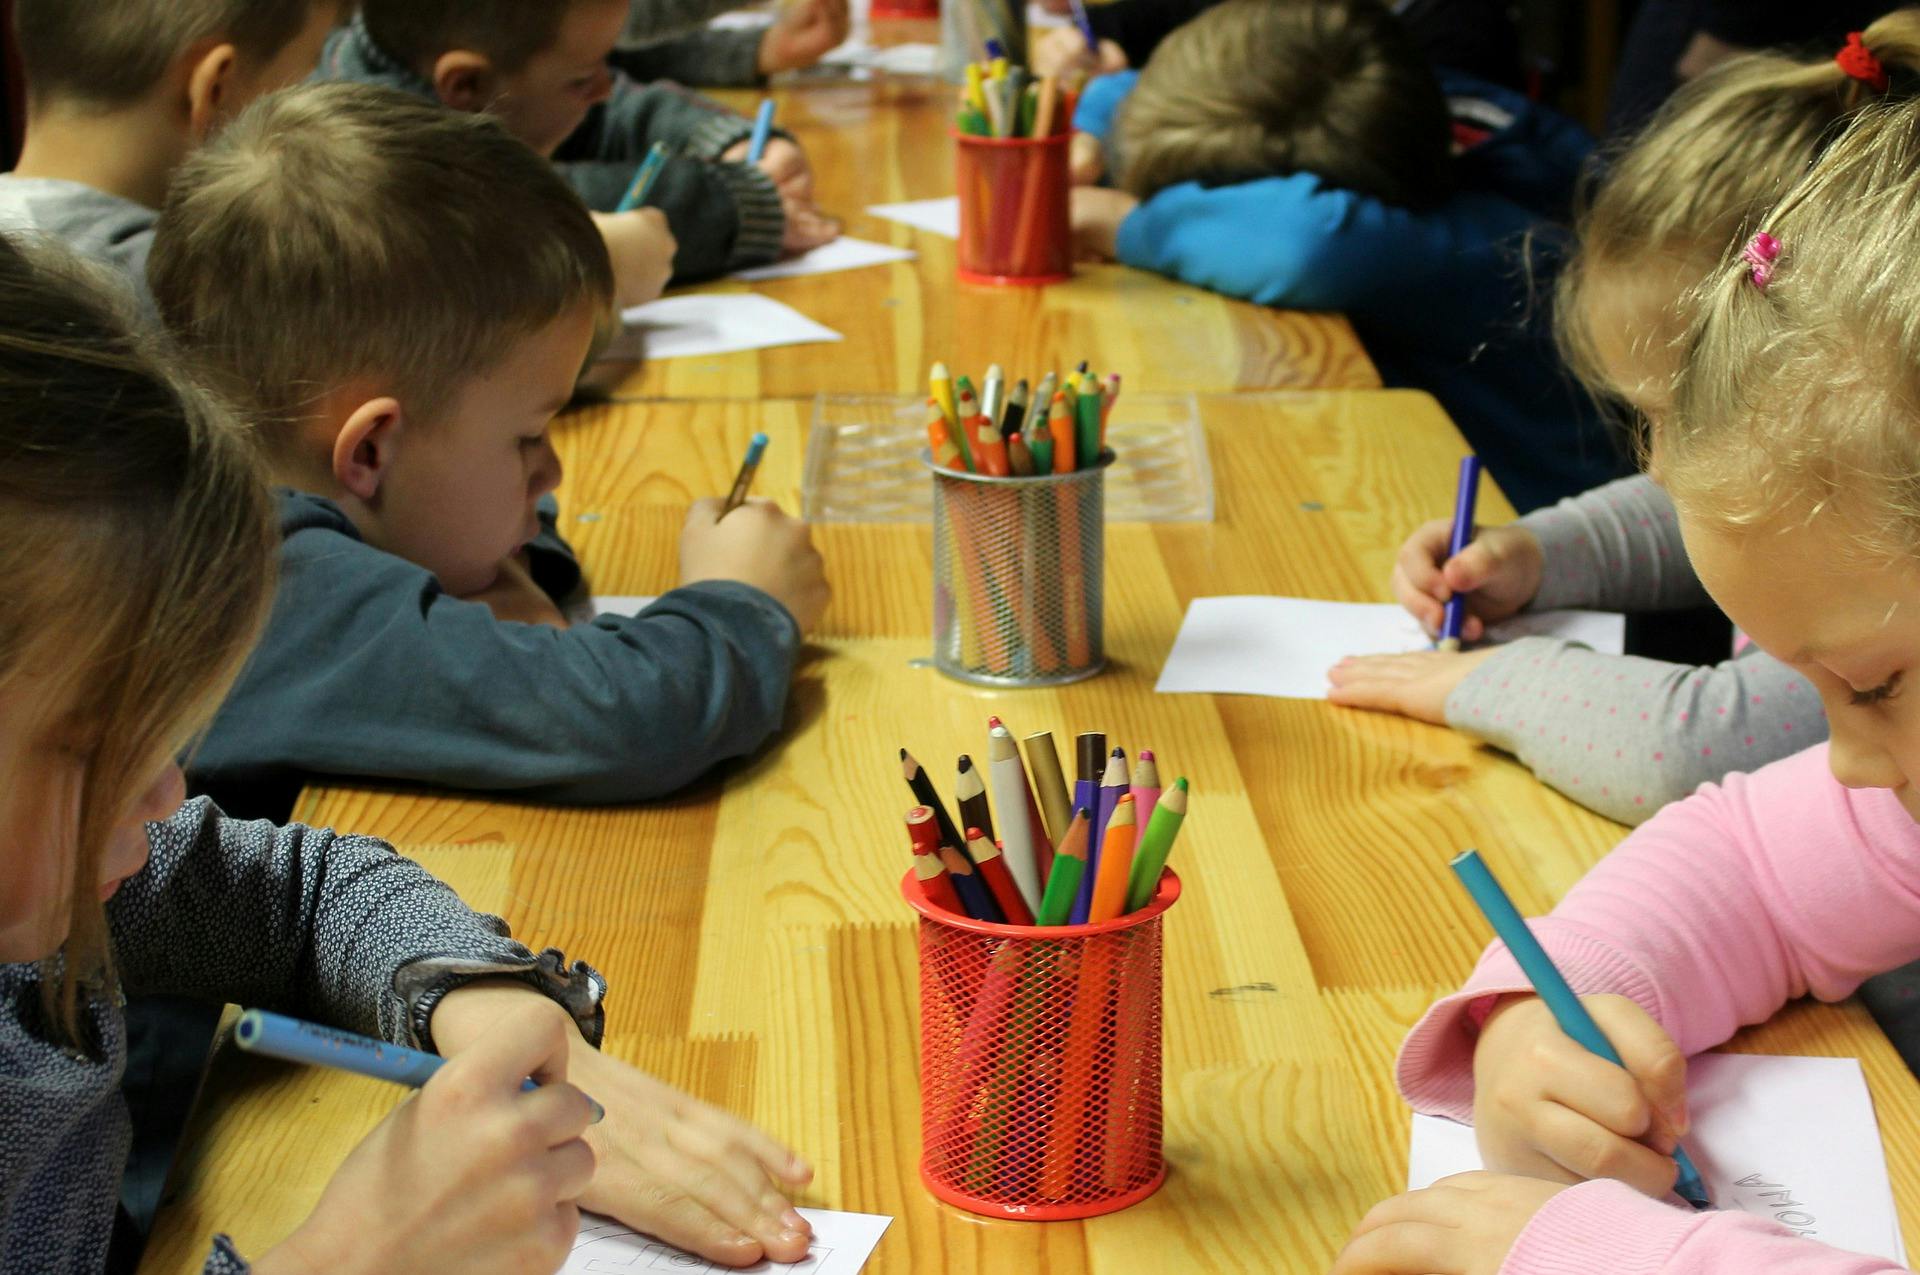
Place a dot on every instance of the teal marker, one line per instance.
(644, 179)
(743, 482)
(762, 129)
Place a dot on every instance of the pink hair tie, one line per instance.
(1761, 252)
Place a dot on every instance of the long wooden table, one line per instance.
(760, 955)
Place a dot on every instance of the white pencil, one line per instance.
(1009, 778)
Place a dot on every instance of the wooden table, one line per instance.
(760, 955)
(886, 142)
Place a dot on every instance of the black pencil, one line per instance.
(971, 789)
(927, 795)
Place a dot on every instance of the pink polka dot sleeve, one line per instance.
(1615, 548)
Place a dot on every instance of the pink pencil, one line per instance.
(1146, 785)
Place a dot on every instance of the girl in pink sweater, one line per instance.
(1791, 454)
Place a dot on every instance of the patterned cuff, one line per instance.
(224, 1259)
(577, 987)
(716, 133)
(763, 222)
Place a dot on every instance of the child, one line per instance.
(542, 68)
(1789, 453)
(669, 40)
(1625, 736)
(1295, 153)
(353, 264)
(120, 93)
(139, 549)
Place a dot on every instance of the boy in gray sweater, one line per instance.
(402, 296)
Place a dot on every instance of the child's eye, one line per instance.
(1878, 694)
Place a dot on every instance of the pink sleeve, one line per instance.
(1712, 915)
(1640, 1236)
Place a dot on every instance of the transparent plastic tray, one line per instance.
(863, 460)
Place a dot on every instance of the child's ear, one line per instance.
(363, 449)
(464, 80)
(210, 87)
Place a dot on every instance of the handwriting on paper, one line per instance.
(1757, 1195)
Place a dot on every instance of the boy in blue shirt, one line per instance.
(1303, 155)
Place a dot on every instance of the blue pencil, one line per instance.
(1552, 987)
(1085, 23)
(1464, 503)
(277, 1036)
(743, 482)
(762, 129)
(644, 179)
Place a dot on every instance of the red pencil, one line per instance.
(987, 861)
(934, 881)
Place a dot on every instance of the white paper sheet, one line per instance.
(861, 54)
(938, 216)
(844, 253)
(1792, 1139)
(720, 323)
(612, 604)
(842, 1243)
(1283, 647)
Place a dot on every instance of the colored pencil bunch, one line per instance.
(1058, 427)
(999, 99)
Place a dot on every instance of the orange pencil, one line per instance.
(989, 449)
(1060, 425)
(946, 453)
(1116, 860)
(993, 870)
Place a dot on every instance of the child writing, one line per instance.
(401, 296)
(670, 40)
(1296, 153)
(1789, 452)
(121, 93)
(1621, 735)
(139, 547)
(542, 68)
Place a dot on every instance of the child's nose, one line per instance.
(548, 470)
(602, 87)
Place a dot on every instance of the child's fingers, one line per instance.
(1590, 1085)
(557, 1114)
(727, 1179)
(1651, 1058)
(569, 1170)
(1588, 1150)
(1471, 568)
(1420, 558)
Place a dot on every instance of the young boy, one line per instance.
(542, 68)
(353, 265)
(121, 93)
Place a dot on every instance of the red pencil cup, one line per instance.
(1014, 227)
(1040, 1062)
(905, 9)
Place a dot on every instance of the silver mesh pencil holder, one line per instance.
(1017, 576)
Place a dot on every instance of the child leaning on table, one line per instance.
(138, 545)
(1619, 734)
(1789, 451)
(401, 296)
(1297, 153)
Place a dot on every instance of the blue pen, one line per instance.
(1464, 502)
(1085, 23)
(1552, 987)
(277, 1036)
(762, 129)
(644, 179)
(995, 49)
(743, 482)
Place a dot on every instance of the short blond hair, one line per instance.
(111, 52)
(138, 547)
(1698, 177)
(1801, 399)
(1264, 88)
(343, 230)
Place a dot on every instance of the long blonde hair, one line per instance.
(137, 543)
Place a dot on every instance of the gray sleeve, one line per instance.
(708, 57)
(1615, 548)
(649, 21)
(340, 930)
(1624, 736)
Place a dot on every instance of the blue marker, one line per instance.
(644, 179)
(743, 483)
(1552, 987)
(277, 1036)
(762, 129)
(1464, 503)
(1085, 23)
(995, 49)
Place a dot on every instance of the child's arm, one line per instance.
(1615, 548)
(651, 21)
(800, 35)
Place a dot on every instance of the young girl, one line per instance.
(1789, 451)
(1620, 735)
(1300, 153)
(136, 540)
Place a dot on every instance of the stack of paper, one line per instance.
(937, 216)
(842, 1242)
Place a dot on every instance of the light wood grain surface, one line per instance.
(760, 955)
(886, 142)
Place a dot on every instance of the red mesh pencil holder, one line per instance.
(883, 9)
(1014, 227)
(1040, 1062)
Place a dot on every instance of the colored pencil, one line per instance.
(1146, 784)
(1113, 785)
(1552, 985)
(1150, 857)
(762, 130)
(1015, 417)
(1046, 107)
(991, 391)
(1012, 796)
(971, 791)
(1049, 785)
(991, 864)
(940, 386)
(989, 449)
(1069, 867)
(743, 481)
(927, 795)
(1060, 425)
(1107, 400)
(644, 178)
(1087, 442)
(1464, 501)
(1116, 860)
(1040, 444)
(1019, 458)
(927, 867)
(1089, 764)
(940, 444)
(1084, 21)
(1043, 395)
(973, 892)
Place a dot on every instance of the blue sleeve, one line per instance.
(1100, 102)
(1536, 160)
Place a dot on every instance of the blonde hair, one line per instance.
(137, 543)
(111, 52)
(1697, 178)
(1263, 88)
(510, 33)
(344, 230)
(1802, 399)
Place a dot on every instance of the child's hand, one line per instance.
(1501, 569)
(1064, 50)
(803, 33)
(807, 227)
(1097, 213)
(471, 1174)
(759, 545)
(784, 163)
(1086, 160)
(1414, 685)
(1545, 1107)
(642, 248)
(1462, 1225)
(514, 596)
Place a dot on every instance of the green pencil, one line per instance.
(1086, 410)
(1155, 844)
(1069, 865)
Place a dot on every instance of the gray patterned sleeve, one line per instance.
(1615, 548)
(341, 930)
